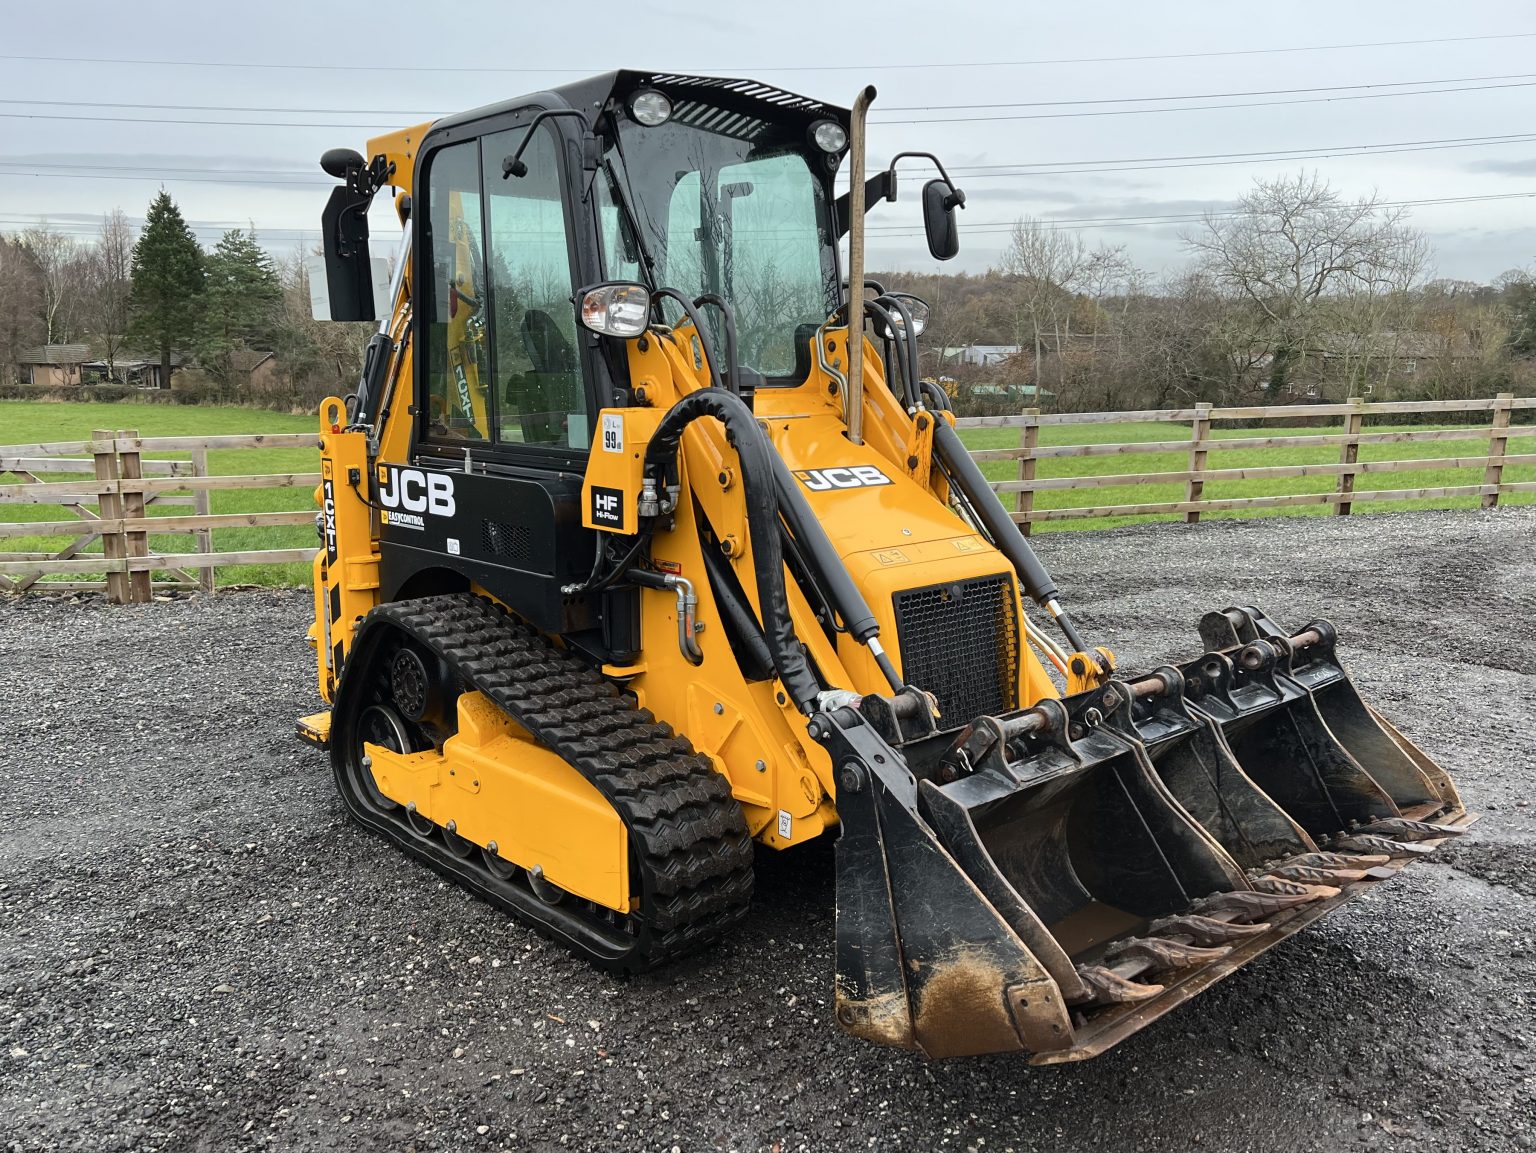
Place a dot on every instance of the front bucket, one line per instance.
(1056, 878)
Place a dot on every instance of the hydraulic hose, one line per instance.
(762, 503)
(966, 476)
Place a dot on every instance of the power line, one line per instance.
(1147, 99)
(1260, 158)
(416, 113)
(1203, 107)
(1010, 169)
(882, 66)
(1071, 223)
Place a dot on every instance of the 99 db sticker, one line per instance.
(613, 432)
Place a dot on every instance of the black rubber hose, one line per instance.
(906, 340)
(732, 373)
(730, 601)
(966, 476)
(711, 361)
(882, 314)
(830, 572)
(757, 461)
(994, 517)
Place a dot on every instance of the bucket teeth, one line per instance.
(1110, 988)
(1339, 860)
(1369, 843)
(1402, 829)
(1162, 953)
(1205, 930)
(1319, 875)
(1282, 887)
(1252, 904)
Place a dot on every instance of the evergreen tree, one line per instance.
(166, 299)
(243, 305)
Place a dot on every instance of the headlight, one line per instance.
(650, 108)
(622, 309)
(829, 135)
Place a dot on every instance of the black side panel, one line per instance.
(518, 537)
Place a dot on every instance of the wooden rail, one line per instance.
(110, 488)
(1491, 456)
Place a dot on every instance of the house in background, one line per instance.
(978, 355)
(53, 364)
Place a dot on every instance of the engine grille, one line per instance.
(960, 642)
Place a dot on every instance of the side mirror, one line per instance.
(940, 199)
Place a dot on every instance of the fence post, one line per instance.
(1498, 439)
(202, 503)
(1350, 455)
(1199, 432)
(1029, 440)
(130, 467)
(109, 504)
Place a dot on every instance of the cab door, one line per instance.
(504, 410)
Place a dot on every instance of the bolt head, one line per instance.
(762, 765)
(492, 847)
(367, 762)
(719, 709)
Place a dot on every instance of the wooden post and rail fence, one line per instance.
(108, 495)
(113, 484)
(1490, 455)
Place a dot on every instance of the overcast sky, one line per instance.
(345, 66)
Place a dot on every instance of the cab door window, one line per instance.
(459, 402)
(541, 399)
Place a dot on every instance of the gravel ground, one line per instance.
(197, 952)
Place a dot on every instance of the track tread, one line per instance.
(690, 840)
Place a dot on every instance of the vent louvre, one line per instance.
(959, 641)
(508, 542)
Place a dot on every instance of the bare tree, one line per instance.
(1049, 263)
(1294, 249)
(111, 283)
(61, 266)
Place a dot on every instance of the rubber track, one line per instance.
(687, 833)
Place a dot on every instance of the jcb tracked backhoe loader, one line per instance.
(643, 540)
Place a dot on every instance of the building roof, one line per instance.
(55, 354)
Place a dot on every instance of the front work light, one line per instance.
(829, 135)
(621, 309)
(650, 108)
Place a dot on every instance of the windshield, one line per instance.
(745, 218)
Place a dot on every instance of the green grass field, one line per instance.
(24, 422)
(31, 422)
(1522, 440)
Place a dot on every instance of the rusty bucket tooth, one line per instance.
(1248, 904)
(1339, 860)
(1318, 874)
(1161, 953)
(1107, 987)
(1367, 843)
(1204, 930)
(1402, 829)
(1282, 887)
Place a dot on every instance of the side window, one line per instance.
(458, 368)
(541, 399)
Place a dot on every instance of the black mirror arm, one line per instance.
(956, 198)
(513, 165)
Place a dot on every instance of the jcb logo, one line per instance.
(417, 491)
(858, 476)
